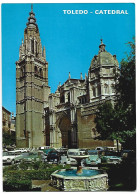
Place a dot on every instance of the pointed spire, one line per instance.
(32, 20)
(81, 76)
(85, 77)
(32, 7)
(69, 76)
(44, 52)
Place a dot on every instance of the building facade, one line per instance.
(6, 120)
(31, 88)
(66, 117)
(72, 108)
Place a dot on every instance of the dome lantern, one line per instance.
(102, 46)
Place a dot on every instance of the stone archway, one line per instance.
(64, 127)
(63, 123)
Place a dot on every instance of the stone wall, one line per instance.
(86, 129)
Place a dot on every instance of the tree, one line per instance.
(108, 123)
(118, 121)
(9, 138)
(126, 101)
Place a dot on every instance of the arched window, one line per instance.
(36, 49)
(40, 72)
(36, 70)
(62, 99)
(99, 90)
(106, 89)
(32, 46)
(94, 92)
(68, 97)
(22, 71)
(113, 88)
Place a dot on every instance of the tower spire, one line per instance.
(32, 20)
(32, 7)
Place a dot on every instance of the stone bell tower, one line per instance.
(32, 88)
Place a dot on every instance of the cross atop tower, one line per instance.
(101, 41)
(102, 46)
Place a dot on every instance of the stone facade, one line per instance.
(6, 120)
(71, 109)
(66, 117)
(31, 88)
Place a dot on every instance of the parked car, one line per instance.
(30, 157)
(111, 159)
(62, 151)
(46, 151)
(44, 147)
(53, 156)
(11, 157)
(94, 158)
(111, 149)
(99, 148)
(73, 152)
(83, 151)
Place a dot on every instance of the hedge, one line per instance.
(20, 180)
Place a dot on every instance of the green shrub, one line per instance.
(20, 179)
(23, 165)
(17, 185)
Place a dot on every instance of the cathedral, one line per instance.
(64, 118)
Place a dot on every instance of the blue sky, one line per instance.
(71, 41)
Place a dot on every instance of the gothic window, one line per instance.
(106, 89)
(36, 48)
(40, 72)
(32, 46)
(99, 90)
(62, 98)
(22, 71)
(94, 91)
(68, 97)
(36, 70)
(113, 88)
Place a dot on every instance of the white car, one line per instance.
(10, 157)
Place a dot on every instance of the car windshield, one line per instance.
(25, 154)
(11, 154)
(94, 152)
(72, 153)
(5, 153)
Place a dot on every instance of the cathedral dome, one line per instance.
(103, 58)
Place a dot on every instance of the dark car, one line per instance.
(53, 156)
(46, 151)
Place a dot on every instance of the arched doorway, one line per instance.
(64, 126)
